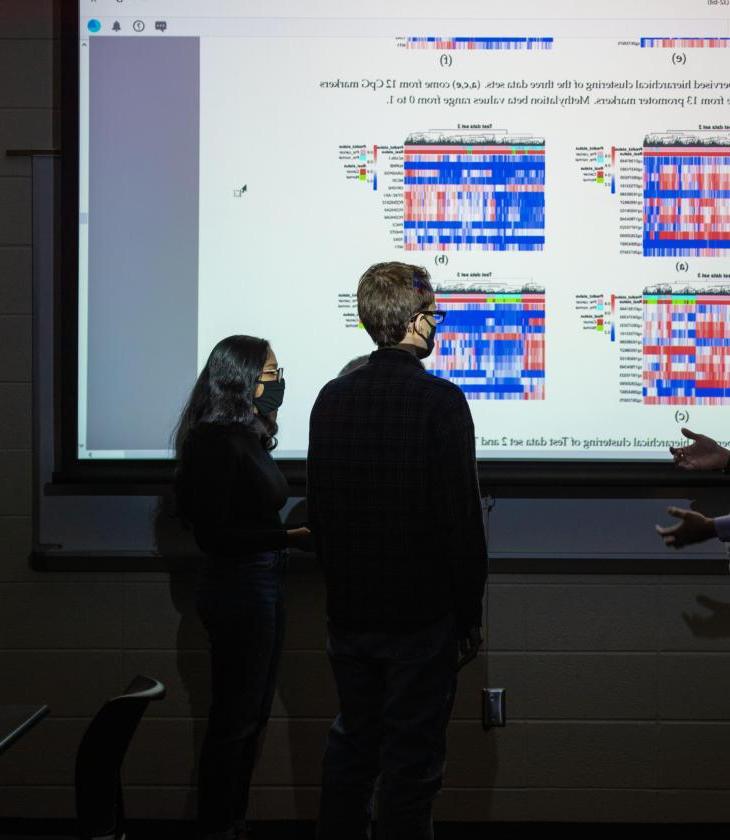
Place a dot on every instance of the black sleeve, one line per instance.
(235, 542)
(460, 510)
(312, 514)
(209, 476)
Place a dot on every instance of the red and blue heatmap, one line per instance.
(687, 348)
(492, 343)
(679, 42)
(479, 193)
(470, 42)
(686, 197)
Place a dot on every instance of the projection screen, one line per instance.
(564, 176)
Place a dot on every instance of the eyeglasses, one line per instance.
(277, 373)
(437, 315)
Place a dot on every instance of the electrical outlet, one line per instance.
(494, 707)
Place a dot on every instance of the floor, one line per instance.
(170, 830)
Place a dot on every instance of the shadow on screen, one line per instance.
(712, 622)
(712, 625)
(191, 657)
(354, 364)
(305, 695)
(193, 672)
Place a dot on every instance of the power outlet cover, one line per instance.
(494, 707)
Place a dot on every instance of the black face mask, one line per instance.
(272, 397)
(424, 352)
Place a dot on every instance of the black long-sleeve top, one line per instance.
(393, 497)
(231, 490)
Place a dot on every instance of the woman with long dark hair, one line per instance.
(230, 491)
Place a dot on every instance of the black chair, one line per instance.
(99, 803)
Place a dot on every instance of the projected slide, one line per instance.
(563, 175)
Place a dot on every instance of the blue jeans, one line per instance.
(396, 693)
(241, 604)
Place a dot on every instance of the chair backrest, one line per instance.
(99, 804)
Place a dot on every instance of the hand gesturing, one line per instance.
(704, 454)
(692, 527)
